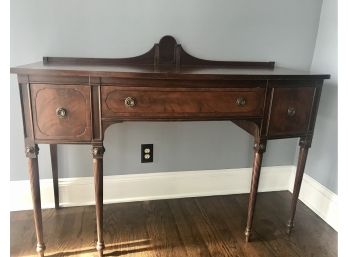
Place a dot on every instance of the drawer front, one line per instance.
(61, 112)
(291, 110)
(169, 103)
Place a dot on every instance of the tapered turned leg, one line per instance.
(32, 153)
(304, 145)
(54, 163)
(259, 149)
(98, 152)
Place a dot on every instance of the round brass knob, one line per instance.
(241, 101)
(61, 112)
(291, 111)
(129, 102)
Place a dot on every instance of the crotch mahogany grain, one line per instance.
(68, 100)
(191, 227)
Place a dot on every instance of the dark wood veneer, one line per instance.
(300, 101)
(74, 100)
(161, 102)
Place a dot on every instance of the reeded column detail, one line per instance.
(32, 152)
(259, 149)
(305, 144)
(98, 153)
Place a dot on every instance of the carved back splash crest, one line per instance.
(165, 53)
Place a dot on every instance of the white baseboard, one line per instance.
(151, 186)
(318, 198)
(168, 185)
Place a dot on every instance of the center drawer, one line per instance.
(181, 102)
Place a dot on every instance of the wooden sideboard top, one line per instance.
(169, 72)
(166, 60)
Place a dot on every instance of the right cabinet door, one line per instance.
(291, 111)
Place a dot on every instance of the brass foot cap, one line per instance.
(40, 248)
(100, 246)
(247, 235)
(290, 226)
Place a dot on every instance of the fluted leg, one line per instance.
(54, 163)
(304, 145)
(98, 152)
(32, 153)
(259, 149)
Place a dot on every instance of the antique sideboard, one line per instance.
(74, 100)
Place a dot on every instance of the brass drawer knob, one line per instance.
(291, 111)
(61, 112)
(129, 102)
(241, 101)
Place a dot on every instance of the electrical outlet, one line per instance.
(146, 153)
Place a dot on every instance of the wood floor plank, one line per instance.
(189, 233)
(191, 227)
(125, 230)
(235, 220)
(159, 222)
(226, 243)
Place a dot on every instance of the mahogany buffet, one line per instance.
(74, 100)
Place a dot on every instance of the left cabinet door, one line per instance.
(61, 112)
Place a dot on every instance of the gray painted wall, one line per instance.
(280, 30)
(322, 158)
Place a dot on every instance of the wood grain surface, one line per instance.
(191, 227)
(75, 100)
(184, 102)
(300, 100)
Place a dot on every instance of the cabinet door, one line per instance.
(61, 111)
(291, 110)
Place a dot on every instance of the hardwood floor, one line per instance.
(206, 226)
